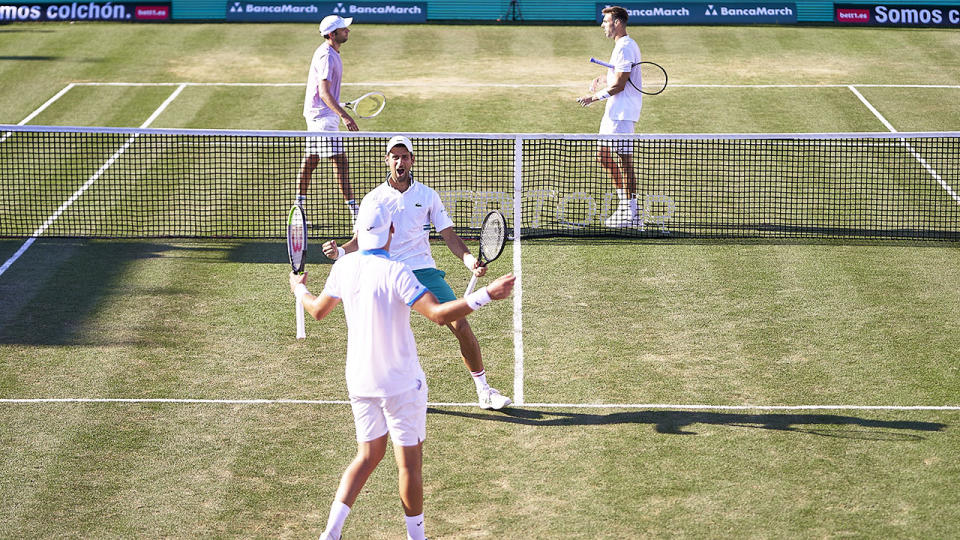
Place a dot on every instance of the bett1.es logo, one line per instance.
(852, 15)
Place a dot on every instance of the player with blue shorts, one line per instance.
(415, 208)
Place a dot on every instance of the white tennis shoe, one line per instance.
(491, 398)
(620, 219)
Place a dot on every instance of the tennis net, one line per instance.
(150, 183)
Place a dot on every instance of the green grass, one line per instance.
(432, 63)
(699, 323)
(655, 321)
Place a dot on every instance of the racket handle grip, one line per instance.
(473, 283)
(301, 330)
(601, 62)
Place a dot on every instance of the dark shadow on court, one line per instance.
(679, 422)
(48, 295)
(678, 241)
(274, 251)
(25, 31)
(38, 58)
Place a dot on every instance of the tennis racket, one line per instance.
(653, 78)
(367, 105)
(493, 236)
(297, 251)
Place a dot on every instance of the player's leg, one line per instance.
(307, 167)
(332, 149)
(629, 176)
(608, 161)
(341, 171)
(310, 160)
(406, 416)
(469, 346)
(410, 479)
(630, 186)
(489, 398)
(616, 157)
(371, 426)
(369, 454)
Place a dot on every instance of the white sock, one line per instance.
(621, 194)
(338, 514)
(633, 206)
(353, 206)
(480, 379)
(415, 527)
(301, 200)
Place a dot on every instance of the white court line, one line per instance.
(434, 84)
(658, 406)
(86, 185)
(916, 155)
(517, 271)
(42, 108)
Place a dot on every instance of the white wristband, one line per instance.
(341, 252)
(469, 260)
(478, 299)
(600, 96)
(300, 290)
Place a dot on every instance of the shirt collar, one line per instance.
(413, 181)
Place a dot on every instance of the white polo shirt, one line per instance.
(413, 212)
(377, 294)
(326, 65)
(627, 104)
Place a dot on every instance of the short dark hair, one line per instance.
(617, 12)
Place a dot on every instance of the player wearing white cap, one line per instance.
(386, 385)
(322, 110)
(414, 208)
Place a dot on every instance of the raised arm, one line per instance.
(331, 250)
(462, 252)
(317, 306)
(448, 312)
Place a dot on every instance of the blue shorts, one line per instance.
(432, 279)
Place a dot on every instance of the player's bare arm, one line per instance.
(623, 77)
(317, 306)
(446, 313)
(332, 251)
(334, 105)
(459, 249)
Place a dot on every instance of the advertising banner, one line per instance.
(86, 11)
(715, 13)
(897, 15)
(366, 12)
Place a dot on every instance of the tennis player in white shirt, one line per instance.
(387, 387)
(414, 208)
(323, 112)
(620, 116)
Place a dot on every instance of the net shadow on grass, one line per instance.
(679, 422)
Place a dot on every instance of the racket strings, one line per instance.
(369, 105)
(491, 239)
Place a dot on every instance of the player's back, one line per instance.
(376, 294)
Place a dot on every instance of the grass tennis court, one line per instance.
(645, 365)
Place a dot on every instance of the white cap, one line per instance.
(333, 22)
(373, 224)
(399, 140)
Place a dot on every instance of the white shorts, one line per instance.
(404, 416)
(324, 146)
(616, 127)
